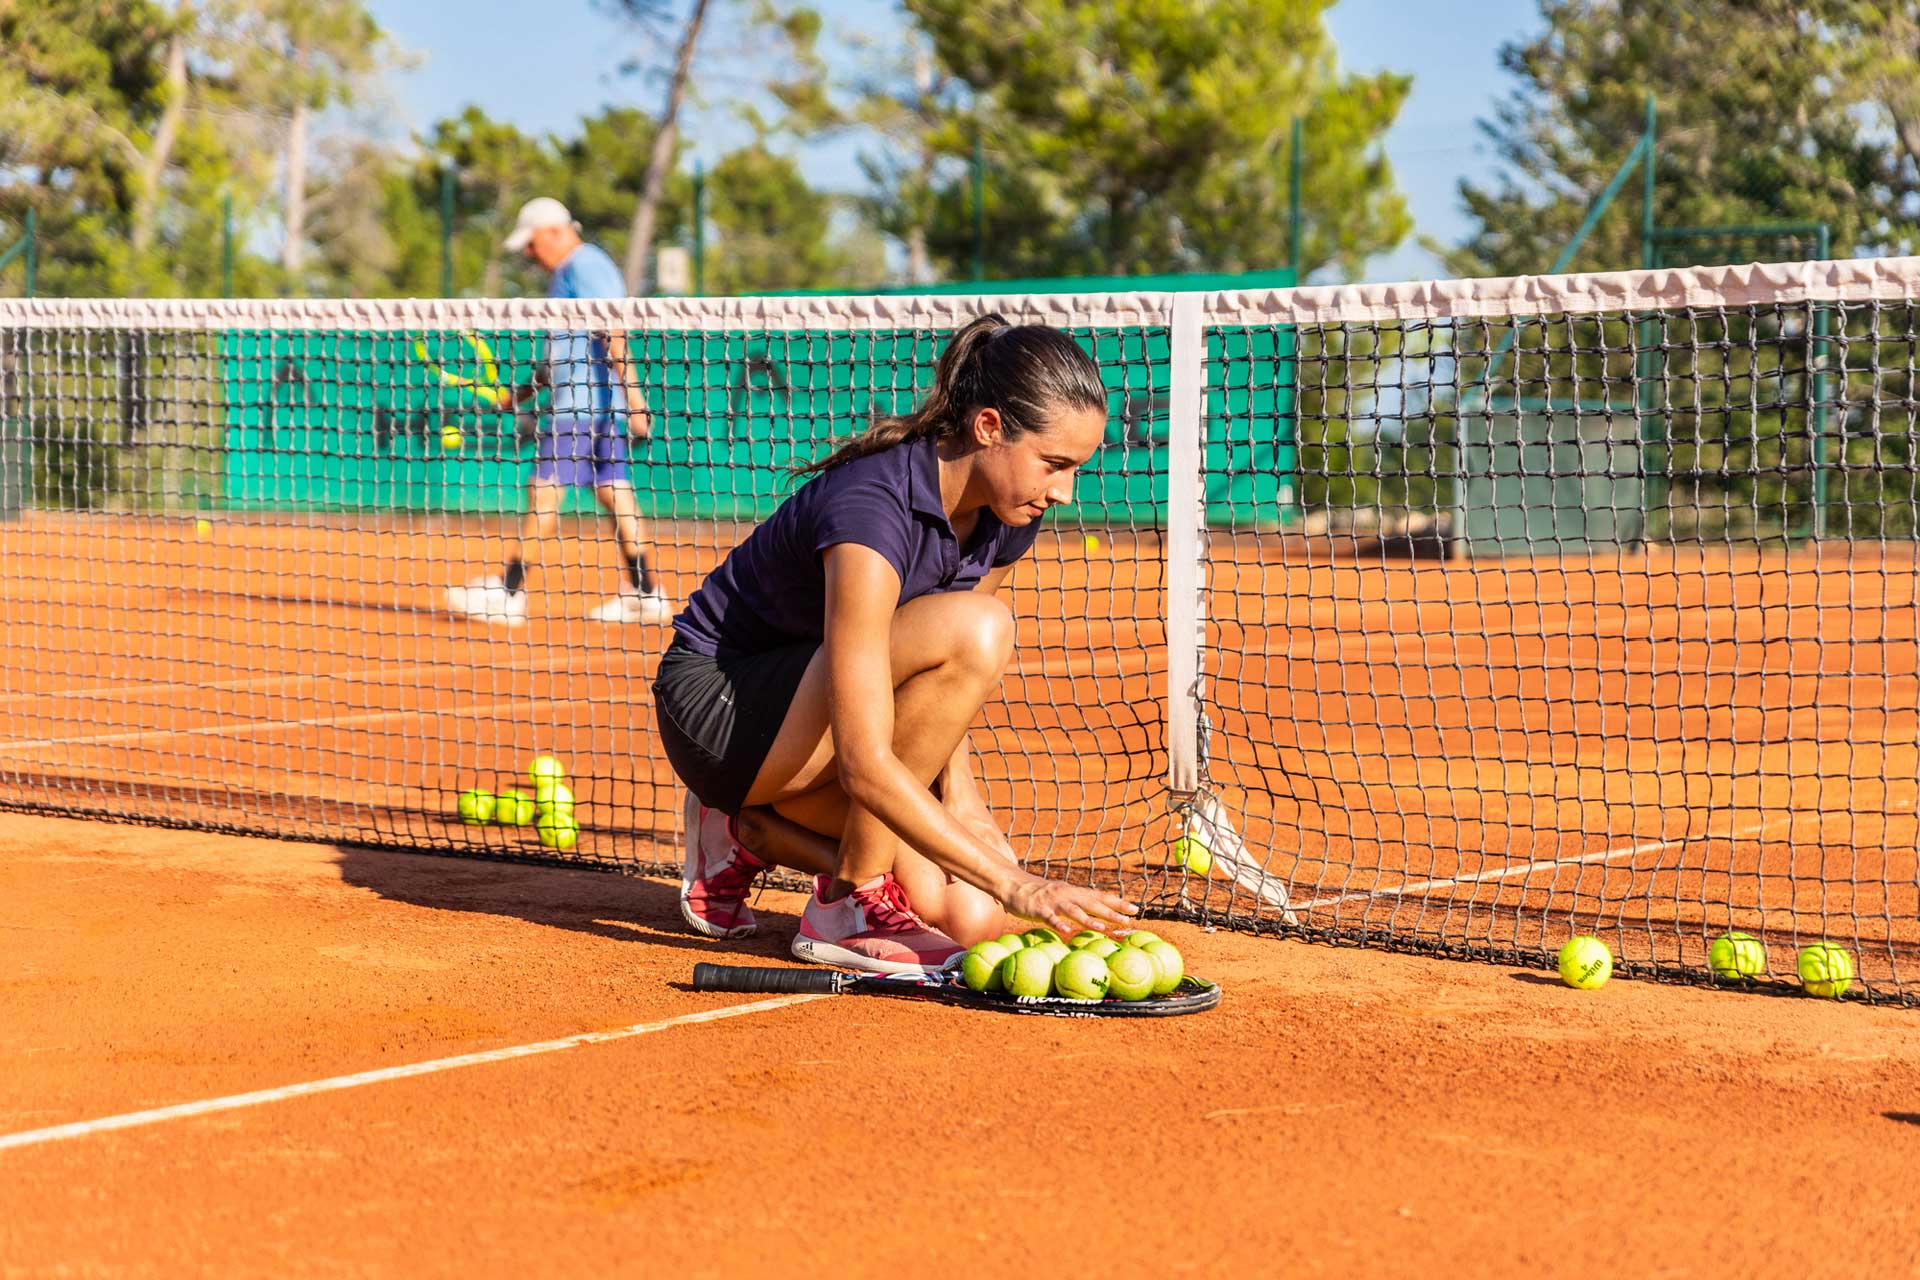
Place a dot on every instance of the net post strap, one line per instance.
(1186, 371)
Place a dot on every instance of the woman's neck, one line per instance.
(957, 494)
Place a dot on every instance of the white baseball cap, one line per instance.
(541, 211)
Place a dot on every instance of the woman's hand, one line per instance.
(1069, 908)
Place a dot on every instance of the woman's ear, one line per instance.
(988, 429)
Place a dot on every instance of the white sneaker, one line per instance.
(873, 929)
(631, 606)
(488, 600)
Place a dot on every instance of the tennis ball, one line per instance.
(1055, 950)
(1140, 938)
(451, 439)
(1093, 543)
(1585, 963)
(203, 527)
(1193, 854)
(1012, 942)
(512, 809)
(557, 830)
(1081, 976)
(1040, 934)
(553, 796)
(1131, 973)
(1168, 966)
(545, 769)
(1084, 937)
(1027, 972)
(980, 967)
(1103, 947)
(1736, 956)
(1826, 969)
(476, 807)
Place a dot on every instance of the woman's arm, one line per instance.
(862, 589)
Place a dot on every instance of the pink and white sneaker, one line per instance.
(873, 928)
(718, 874)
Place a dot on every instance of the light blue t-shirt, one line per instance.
(577, 360)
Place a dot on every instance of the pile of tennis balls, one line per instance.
(1090, 967)
(1825, 968)
(549, 811)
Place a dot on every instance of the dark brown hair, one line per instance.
(1028, 372)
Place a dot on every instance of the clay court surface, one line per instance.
(1344, 1112)
(1654, 747)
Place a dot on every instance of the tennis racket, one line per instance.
(477, 352)
(1193, 995)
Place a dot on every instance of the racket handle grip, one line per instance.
(735, 977)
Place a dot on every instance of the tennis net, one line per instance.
(1457, 616)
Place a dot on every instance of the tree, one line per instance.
(772, 230)
(1151, 135)
(795, 81)
(1768, 112)
(92, 104)
(605, 165)
(290, 59)
(903, 105)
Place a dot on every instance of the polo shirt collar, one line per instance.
(923, 480)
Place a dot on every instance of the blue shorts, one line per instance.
(582, 453)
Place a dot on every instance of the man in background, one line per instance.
(596, 406)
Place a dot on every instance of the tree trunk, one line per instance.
(153, 167)
(640, 241)
(919, 269)
(293, 248)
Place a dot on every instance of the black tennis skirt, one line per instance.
(719, 716)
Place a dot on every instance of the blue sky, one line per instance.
(542, 67)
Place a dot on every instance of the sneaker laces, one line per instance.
(735, 879)
(887, 907)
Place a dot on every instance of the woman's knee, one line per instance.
(969, 915)
(982, 637)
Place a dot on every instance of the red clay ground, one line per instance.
(1343, 1112)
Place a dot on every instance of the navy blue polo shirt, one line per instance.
(771, 590)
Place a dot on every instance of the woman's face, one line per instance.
(1026, 475)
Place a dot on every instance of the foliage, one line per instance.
(1768, 112)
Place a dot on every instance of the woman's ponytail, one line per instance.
(1027, 372)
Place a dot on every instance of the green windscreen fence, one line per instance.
(426, 420)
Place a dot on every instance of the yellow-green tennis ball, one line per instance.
(451, 439)
(1736, 956)
(980, 967)
(1192, 853)
(557, 830)
(476, 807)
(1168, 965)
(1585, 963)
(1131, 973)
(555, 796)
(545, 769)
(203, 527)
(1056, 950)
(1012, 942)
(1081, 976)
(1039, 934)
(1826, 969)
(1140, 938)
(1093, 543)
(1084, 937)
(512, 809)
(1103, 947)
(1027, 972)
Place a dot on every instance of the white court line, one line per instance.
(279, 726)
(1506, 873)
(134, 1119)
(206, 686)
